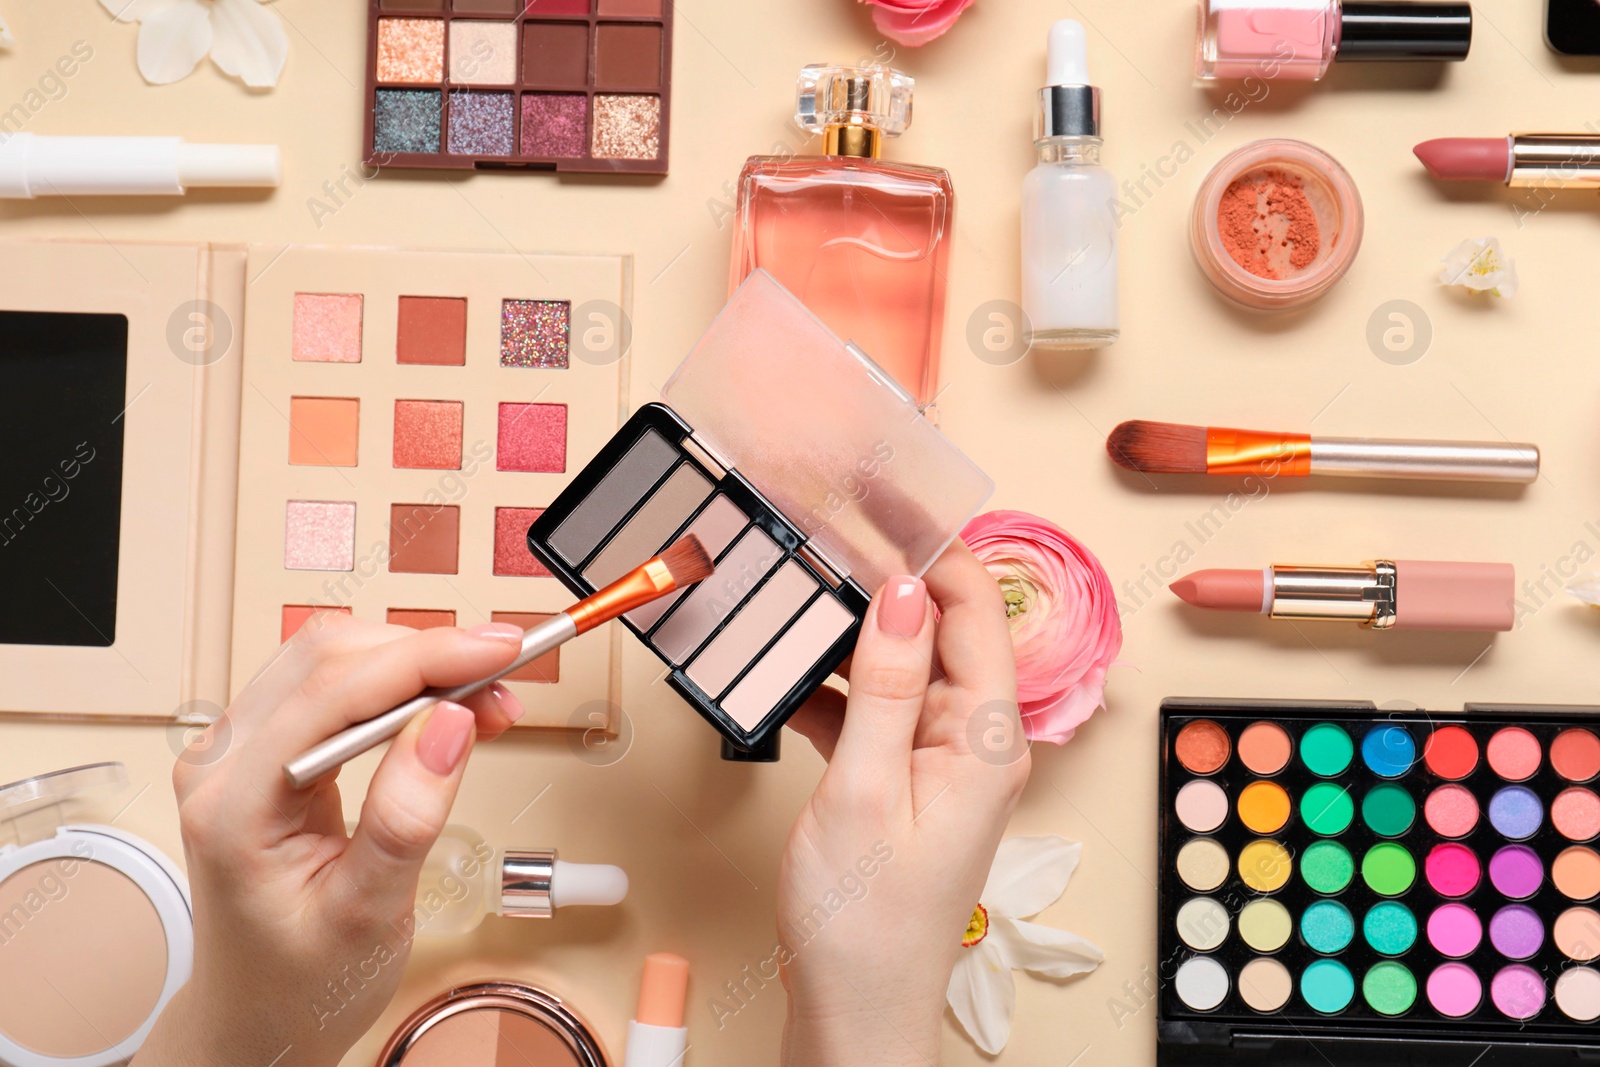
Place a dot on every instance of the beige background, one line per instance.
(702, 838)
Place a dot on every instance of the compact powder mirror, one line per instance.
(494, 1024)
(96, 933)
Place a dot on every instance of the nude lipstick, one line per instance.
(1523, 160)
(1383, 595)
(657, 1036)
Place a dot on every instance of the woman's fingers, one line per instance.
(888, 686)
(407, 805)
(820, 719)
(974, 654)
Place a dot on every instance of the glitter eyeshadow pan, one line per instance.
(1343, 884)
(580, 86)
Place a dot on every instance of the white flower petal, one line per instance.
(1044, 950)
(1586, 587)
(172, 40)
(249, 42)
(983, 995)
(138, 10)
(6, 40)
(1480, 266)
(1029, 874)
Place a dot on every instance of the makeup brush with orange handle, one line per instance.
(1170, 448)
(683, 563)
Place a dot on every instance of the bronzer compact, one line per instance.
(808, 474)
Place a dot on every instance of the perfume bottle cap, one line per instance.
(1068, 106)
(878, 98)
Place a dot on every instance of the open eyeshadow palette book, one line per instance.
(1404, 887)
(809, 475)
(563, 85)
(376, 442)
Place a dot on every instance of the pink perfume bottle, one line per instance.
(1298, 39)
(864, 243)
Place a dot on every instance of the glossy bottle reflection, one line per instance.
(864, 243)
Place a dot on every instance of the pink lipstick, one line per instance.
(1383, 595)
(1543, 160)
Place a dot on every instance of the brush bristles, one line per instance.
(688, 561)
(1158, 447)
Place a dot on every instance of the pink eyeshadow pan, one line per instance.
(327, 328)
(511, 555)
(716, 527)
(427, 434)
(532, 437)
(1451, 810)
(738, 572)
(1515, 754)
(786, 662)
(759, 622)
(319, 535)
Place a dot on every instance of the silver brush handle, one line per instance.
(350, 742)
(1458, 461)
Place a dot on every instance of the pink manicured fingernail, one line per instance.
(444, 739)
(497, 631)
(509, 703)
(903, 606)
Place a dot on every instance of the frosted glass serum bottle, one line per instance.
(1069, 223)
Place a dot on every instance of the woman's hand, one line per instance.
(302, 930)
(885, 863)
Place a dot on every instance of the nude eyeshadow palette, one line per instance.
(564, 85)
(1390, 882)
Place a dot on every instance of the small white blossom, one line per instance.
(1480, 266)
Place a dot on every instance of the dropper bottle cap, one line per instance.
(534, 883)
(1068, 106)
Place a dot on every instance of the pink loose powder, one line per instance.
(1267, 224)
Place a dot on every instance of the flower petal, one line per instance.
(1586, 587)
(250, 42)
(1044, 950)
(6, 40)
(983, 995)
(137, 10)
(1029, 874)
(172, 40)
(917, 24)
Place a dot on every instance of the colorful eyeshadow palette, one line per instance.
(1333, 873)
(564, 85)
(405, 417)
(808, 476)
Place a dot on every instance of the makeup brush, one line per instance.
(1171, 448)
(683, 563)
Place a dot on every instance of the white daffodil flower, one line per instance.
(1028, 875)
(1586, 587)
(1480, 266)
(243, 37)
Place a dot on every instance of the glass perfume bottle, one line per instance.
(864, 243)
(465, 880)
(1069, 223)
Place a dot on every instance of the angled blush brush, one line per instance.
(1172, 448)
(683, 563)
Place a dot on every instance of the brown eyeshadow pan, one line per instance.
(579, 85)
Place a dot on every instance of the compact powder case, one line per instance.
(811, 478)
(494, 1024)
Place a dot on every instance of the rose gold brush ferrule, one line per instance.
(1554, 161)
(1230, 451)
(1364, 594)
(635, 589)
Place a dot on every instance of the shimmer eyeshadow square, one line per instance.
(511, 555)
(327, 328)
(547, 668)
(483, 53)
(535, 333)
(626, 127)
(555, 55)
(432, 330)
(555, 124)
(627, 56)
(420, 618)
(424, 539)
(406, 121)
(411, 50)
(319, 535)
(481, 124)
(296, 616)
(324, 431)
(427, 434)
(532, 437)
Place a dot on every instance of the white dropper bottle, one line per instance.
(1069, 223)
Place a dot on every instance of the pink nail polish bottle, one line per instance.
(1298, 39)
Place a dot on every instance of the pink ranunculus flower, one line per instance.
(915, 22)
(1063, 614)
